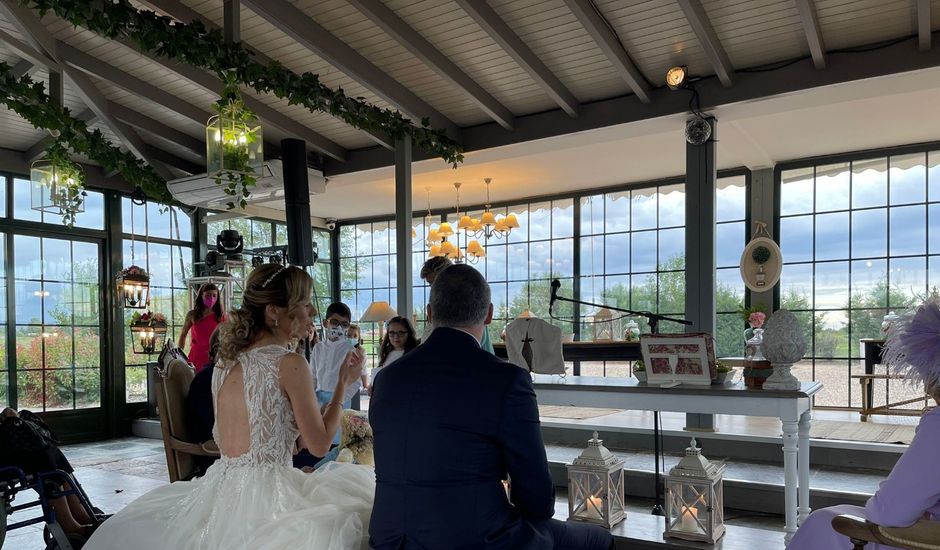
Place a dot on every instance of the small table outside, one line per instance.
(889, 408)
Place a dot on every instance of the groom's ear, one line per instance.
(427, 309)
(489, 316)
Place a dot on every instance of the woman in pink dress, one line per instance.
(201, 322)
(912, 489)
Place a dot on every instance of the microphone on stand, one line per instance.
(556, 284)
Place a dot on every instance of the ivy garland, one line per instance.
(195, 45)
(29, 100)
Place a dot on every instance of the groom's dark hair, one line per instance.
(460, 297)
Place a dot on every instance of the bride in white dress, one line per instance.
(264, 399)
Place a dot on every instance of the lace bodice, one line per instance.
(270, 417)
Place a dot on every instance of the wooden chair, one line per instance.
(173, 382)
(923, 535)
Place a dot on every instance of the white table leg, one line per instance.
(803, 466)
(790, 439)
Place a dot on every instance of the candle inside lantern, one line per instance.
(594, 507)
(689, 520)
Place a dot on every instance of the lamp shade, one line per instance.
(448, 248)
(511, 221)
(488, 219)
(445, 230)
(476, 249)
(378, 312)
(434, 237)
(435, 251)
(466, 222)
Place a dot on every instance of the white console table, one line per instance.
(793, 408)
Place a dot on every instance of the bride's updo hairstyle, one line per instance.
(268, 284)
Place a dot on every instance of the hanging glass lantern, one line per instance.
(695, 498)
(57, 185)
(148, 332)
(234, 139)
(603, 325)
(595, 486)
(133, 286)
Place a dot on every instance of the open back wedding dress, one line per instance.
(255, 500)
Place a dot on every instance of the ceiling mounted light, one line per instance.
(677, 77)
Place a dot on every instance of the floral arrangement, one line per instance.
(148, 319)
(746, 312)
(761, 254)
(134, 272)
(355, 445)
(639, 366)
(756, 319)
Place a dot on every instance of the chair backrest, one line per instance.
(923, 535)
(172, 388)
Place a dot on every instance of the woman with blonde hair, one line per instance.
(264, 401)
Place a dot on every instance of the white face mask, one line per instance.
(335, 333)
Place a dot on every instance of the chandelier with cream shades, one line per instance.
(489, 225)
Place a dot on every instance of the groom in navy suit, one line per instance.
(451, 421)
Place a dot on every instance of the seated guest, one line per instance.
(429, 272)
(912, 489)
(400, 338)
(200, 413)
(450, 422)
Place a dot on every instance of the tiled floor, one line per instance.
(113, 473)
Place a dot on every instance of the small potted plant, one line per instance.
(639, 370)
(761, 255)
(723, 372)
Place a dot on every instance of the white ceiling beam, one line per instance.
(177, 10)
(96, 101)
(141, 122)
(35, 32)
(296, 24)
(814, 38)
(609, 43)
(923, 25)
(411, 40)
(22, 68)
(175, 161)
(714, 51)
(500, 32)
(266, 113)
(27, 52)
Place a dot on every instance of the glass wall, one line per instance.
(159, 239)
(632, 255)
(859, 239)
(367, 267)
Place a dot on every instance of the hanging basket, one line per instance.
(133, 286)
(148, 332)
(234, 144)
(56, 187)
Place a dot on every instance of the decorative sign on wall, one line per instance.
(761, 261)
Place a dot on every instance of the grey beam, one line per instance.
(403, 221)
(38, 149)
(814, 34)
(608, 42)
(394, 26)
(174, 161)
(314, 37)
(23, 67)
(500, 32)
(27, 52)
(702, 27)
(923, 25)
(231, 21)
(266, 113)
(31, 27)
(177, 10)
(89, 64)
(96, 101)
(142, 122)
(799, 76)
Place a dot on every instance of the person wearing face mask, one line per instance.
(201, 321)
(327, 357)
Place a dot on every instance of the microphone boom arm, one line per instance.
(652, 318)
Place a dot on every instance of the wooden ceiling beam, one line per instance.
(714, 51)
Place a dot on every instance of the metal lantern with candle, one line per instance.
(148, 331)
(234, 138)
(603, 325)
(133, 285)
(694, 498)
(595, 486)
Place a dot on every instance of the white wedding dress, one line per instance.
(256, 500)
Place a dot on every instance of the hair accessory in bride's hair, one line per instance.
(913, 345)
(271, 278)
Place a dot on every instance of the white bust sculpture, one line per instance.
(783, 346)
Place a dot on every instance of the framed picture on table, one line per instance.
(673, 359)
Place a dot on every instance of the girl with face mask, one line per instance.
(207, 313)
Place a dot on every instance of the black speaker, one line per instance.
(297, 202)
